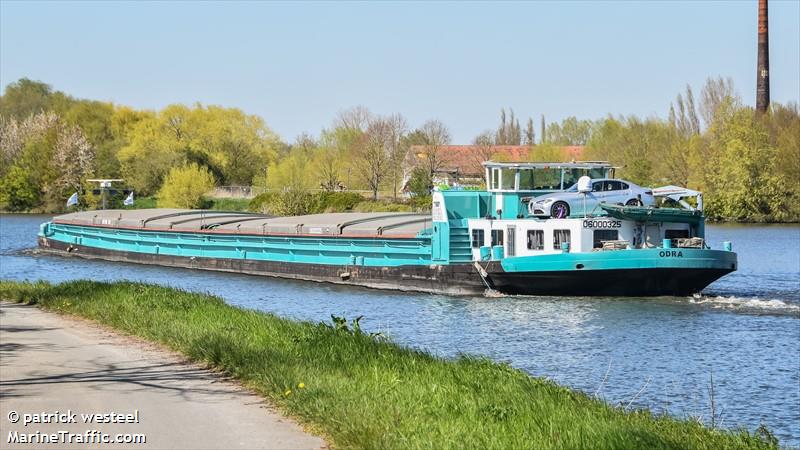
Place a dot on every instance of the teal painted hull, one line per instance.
(641, 272)
(652, 258)
(401, 263)
(375, 252)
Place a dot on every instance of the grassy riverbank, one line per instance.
(363, 392)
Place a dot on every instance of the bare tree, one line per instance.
(714, 93)
(484, 148)
(372, 153)
(328, 168)
(305, 142)
(543, 137)
(508, 133)
(355, 118)
(398, 127)
(684, 117)
(436, 136)
(530, 134)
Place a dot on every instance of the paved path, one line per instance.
(52, 363)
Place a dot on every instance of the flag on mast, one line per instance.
(73, 200)
(129, 200)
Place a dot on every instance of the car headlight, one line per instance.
(546, 201)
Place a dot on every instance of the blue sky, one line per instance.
(297, 64)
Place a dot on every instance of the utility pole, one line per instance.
(762, 76)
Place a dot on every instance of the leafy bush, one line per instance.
(379, 206)
(337, 201)
(299, 202)
(17, 193)
(184, 187)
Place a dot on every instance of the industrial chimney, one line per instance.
(762, 77)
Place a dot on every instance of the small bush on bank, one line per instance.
(185, 186)
(292, 203)
(379, 206)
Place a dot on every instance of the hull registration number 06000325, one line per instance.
(602, 223)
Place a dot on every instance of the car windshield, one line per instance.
(573, 188)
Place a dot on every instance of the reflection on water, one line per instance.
(745, 328)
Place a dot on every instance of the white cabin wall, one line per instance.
(581, 233)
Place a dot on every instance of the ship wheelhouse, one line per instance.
(496, 224)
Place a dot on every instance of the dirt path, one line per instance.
(50, 363)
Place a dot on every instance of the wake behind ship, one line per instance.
(471, 241)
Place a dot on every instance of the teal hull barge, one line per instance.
(472, 241)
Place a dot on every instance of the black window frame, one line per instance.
(557, 245)
(597, 241)
(495, 240)
(530, 234)
(478, 237)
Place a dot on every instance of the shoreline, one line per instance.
(364, 391)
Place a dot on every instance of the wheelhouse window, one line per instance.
(526, 180)
(535, 239)
(477, 238)
(495, 178)
(676, 234)
(507, 179)
(560, 237)
(497, 237)
(597, 173)
(604, 235)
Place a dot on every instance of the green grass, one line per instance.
(365, 392)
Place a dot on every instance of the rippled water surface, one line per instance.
(745, 328)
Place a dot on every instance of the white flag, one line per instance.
(128, 201)
(73, 200)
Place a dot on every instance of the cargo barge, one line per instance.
(470, 242)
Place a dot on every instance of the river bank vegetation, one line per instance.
(363, 391)
(747, 164)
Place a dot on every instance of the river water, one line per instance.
(658, 353)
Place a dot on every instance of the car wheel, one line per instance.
(559, 210)
(633, 202)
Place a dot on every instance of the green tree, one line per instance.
(571, 131)
(545, 153)
(420, 183)
(17, 191)
(291, 173)
(24, 98)
(185, 186)
(232, 145)
(744, 184)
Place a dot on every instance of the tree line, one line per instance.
(746, 163)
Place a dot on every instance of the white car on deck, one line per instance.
(571, 202)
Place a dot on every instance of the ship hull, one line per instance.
(600, 274)
(615, 282)
(451, 279)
